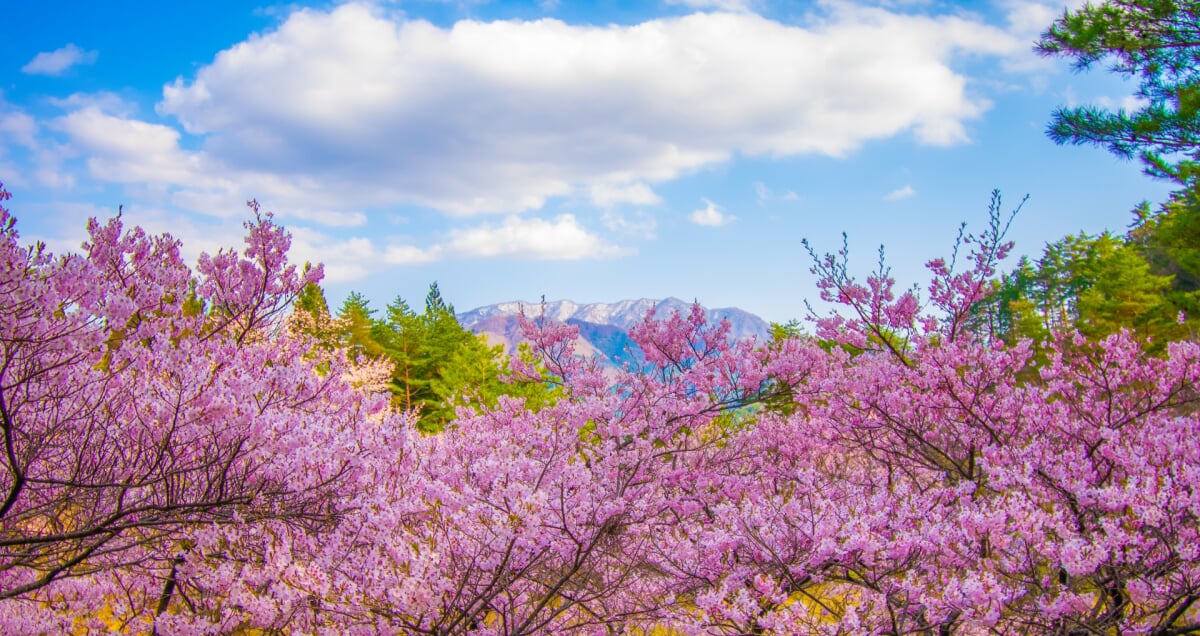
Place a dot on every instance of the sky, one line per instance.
(592, 151)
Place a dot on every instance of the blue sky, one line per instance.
(591, 151)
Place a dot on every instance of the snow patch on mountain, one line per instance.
(603, 327)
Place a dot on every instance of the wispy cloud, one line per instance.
(900, 194)
(763, 194)
(58, 61)
(721, 5)
(606, 195)
(640, 224)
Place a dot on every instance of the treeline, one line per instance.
(433, 365)
(1146, 280)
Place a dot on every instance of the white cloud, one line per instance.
(535, 239)
(606, 195)
(710, 215)
(128, 150)
(355, 108)
(19, 127)
(1132, 103)
(57, 62)
(410, 255)
(1027, 20)
(1128, 103)
(333, 218)
(344, 259)
(900, 193)
(105, 101)
(122, 149)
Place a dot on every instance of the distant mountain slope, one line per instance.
(603, 327)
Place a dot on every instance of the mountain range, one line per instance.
(603, 327)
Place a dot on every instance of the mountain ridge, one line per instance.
(603, 327)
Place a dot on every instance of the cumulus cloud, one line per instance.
(127, 150)
(58, 61)
(710, 215)
(122, 149)
(900, 193)
(358, 108)
(105, 101)
(562, 239)
(344, 259)
(1027, 19)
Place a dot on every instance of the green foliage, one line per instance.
(355, 325)
(452, 364)
(781, 331)
(1097, 284)
(1158, 43)
(437, 366)
(1117, 290)
(1170, 241)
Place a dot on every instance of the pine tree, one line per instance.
(1169, 238)
(1096, 284)
(400, 338)
(1156, 42)
(356, 316)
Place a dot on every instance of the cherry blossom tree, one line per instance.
(931, 481)
(180, 457)
(141, 402)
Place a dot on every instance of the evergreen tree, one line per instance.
(355, 314)
(1158, 43)
(436, 364)
(400, 337)
(1117, 290)
(1170, 240)
(1096, 284)
(311, 316)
